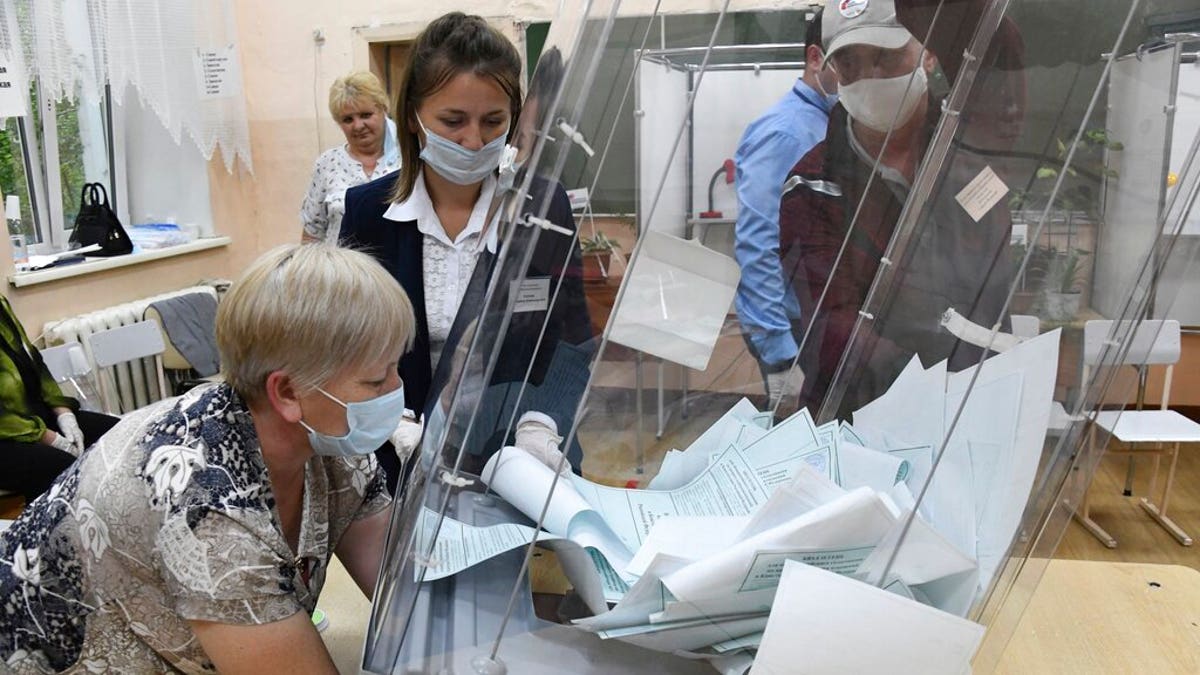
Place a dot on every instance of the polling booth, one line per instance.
(901, 519)
(1154, 102)
(699, 100)
(716, 93)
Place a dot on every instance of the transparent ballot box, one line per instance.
(620, 473)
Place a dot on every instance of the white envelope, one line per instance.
(833, 624)
(675, 298)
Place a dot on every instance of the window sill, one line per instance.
(22, 279)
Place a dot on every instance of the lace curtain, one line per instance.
(153, 47)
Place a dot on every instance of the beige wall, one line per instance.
(288, 128)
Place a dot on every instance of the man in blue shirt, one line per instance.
(770, 147)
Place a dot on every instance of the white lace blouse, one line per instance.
(447, 264)
(325, 203)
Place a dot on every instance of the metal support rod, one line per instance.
(1141, 401)
(661, 401)
(637, 443)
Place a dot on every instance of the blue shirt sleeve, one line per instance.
(765, 303)
(769, 148)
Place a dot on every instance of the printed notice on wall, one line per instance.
(12, 88)
(217, 72)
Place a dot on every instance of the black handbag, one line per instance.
(97, 224)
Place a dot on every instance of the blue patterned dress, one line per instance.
(168, 518)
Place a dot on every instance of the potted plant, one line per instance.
(1055, 276)
(1062, 276)
(600, 281)
(1079, 195)
(598, 253)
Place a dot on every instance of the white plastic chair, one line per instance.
(116, 346)
(1025, 326)
(67, 363)
(581, 204)
(1154, 343)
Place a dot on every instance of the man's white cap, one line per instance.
(855, 22)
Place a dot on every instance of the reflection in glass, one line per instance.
(942, 438)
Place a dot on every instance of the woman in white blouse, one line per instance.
(459, 97)
(359, 105)
(457, 107)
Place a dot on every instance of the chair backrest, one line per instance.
(68, 364)
(1025, 326)
(117, 345)
(1154, 342)
(66, 361)
(127, 343)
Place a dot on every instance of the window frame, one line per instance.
(43, 177)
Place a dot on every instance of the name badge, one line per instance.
(533, 295)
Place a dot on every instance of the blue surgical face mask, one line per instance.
(370, 423)
(457, 164)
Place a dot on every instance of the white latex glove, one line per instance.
(537, 434)
(63, 443)
(407, 435)
(69, 426)
(786, 384)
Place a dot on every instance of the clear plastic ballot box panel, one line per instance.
(606, 482)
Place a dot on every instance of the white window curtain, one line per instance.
(152, 47)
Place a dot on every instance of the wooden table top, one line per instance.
(1109, 617)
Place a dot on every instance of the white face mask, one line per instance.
(831, 99)
(875, 102)
(457, 164)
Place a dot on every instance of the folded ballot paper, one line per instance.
(747, 537)
(824, 620)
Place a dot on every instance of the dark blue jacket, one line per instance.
(398, 247)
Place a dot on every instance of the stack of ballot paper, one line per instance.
(908, 510)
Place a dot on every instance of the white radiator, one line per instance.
(136, 383)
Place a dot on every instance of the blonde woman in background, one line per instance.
(359, 105)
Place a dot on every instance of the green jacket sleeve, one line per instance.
(22, 428)
(17, 421)
(51, 393)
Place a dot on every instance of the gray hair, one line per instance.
(313, 311)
